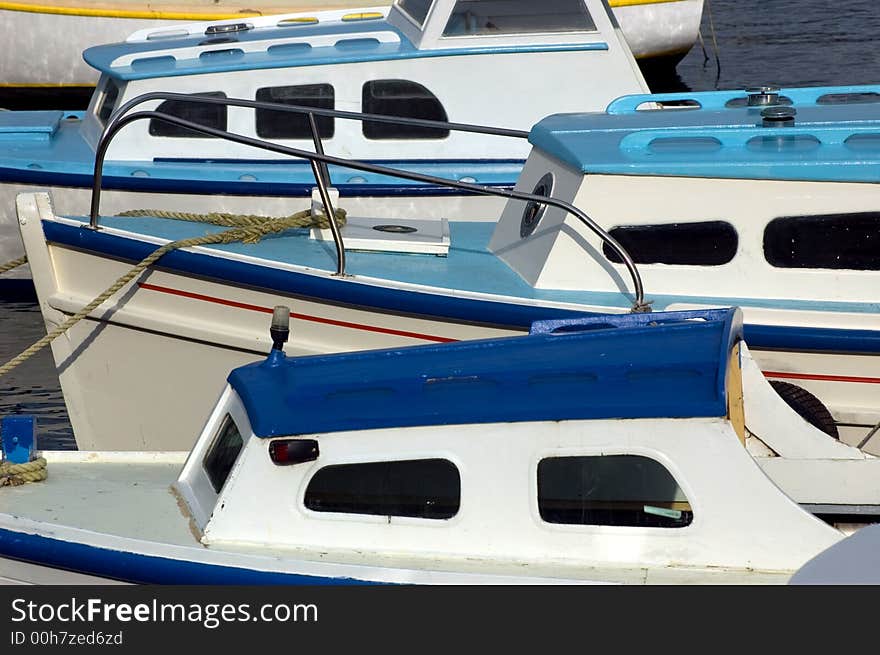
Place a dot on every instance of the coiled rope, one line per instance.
(13, 475)
(249, 229)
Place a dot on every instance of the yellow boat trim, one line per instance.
(633, 3)
(364, 15)
(124, 13)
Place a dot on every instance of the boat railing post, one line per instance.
(322, 177)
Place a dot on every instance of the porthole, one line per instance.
(534, 211)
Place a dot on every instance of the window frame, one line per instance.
(332, 119)
(484, 35)
(616, 230)
(658, 458)
(189, 134)
(337, 516)
(366, 123)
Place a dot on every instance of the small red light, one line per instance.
(293, 451)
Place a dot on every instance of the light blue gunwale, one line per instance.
(828, 142)
(361, 47)
(469, 267)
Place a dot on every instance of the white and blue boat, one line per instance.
(600, 449)
(767, 200)
(501, 63)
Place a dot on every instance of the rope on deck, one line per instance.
(255, 227)
(13, 475)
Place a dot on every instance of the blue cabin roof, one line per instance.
(835, 136)
(285, 46)
(670, 364)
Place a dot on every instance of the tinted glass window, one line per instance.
(835, 241)
(401, 98)
(425, 488)
(417, 9)
(287, 125)
(194, 111)
(517, 16)
(710, 243)
(222, 454)
(626, 490)
(108, 102)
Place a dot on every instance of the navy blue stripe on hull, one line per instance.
(143, 569)
(422, 305)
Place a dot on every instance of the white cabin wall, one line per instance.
(741, 520)
(510, 90)
(567, 259)
(748, 205)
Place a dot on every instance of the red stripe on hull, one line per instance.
(294, 315)
(821, 378)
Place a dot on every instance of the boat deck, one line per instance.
(123, 494)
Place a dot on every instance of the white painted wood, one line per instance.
(769, 418)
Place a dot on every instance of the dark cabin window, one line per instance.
(108, 101)
(222, 454)
(287, 125)
(401, 98)
(423, 488)
(473, 17)
(624, 490)
(193, 111)
(834, 241)
(709, 243)
(416, 9)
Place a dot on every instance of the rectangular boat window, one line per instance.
(209, 115)
(422, 488)
(708, 243)
(287, 125)
(416, 9)
(624, 490)
(832, 241)
(479, 17)
(401, 98)
(221, 456)
(108, 100)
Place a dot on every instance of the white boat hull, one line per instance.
(659, 29)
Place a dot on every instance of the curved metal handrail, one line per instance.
(639, 305)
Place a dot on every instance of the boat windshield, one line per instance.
(416, 9)
(483, 17)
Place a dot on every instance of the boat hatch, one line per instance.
(426, 237)
(29, 125)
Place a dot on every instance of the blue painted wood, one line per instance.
(673, 366)
(140, 568)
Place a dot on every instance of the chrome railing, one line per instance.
(319, 161)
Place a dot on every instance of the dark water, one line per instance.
(766, 42)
